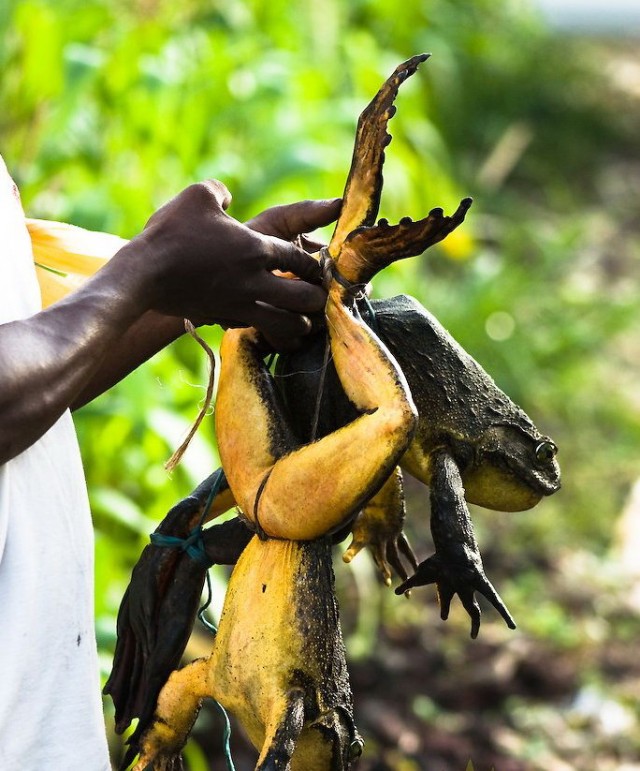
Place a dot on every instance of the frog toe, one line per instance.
(369, 249)
(428, 572)
(470, 604)
(486, 588)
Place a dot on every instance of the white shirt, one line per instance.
(50, 705)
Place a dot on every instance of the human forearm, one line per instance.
(191, 261)
(143, 339)
(48, 359)
(154, 330)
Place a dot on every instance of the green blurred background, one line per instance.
(108, 108)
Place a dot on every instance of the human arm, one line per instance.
(192, 260)
(153, 331)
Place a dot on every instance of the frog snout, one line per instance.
(549, 483)
(551, 487)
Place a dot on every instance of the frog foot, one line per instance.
(462, 575)
(361, 199)
(160, 604)
(155, 620)
(379, 526)
(387, 553)
(368, 250)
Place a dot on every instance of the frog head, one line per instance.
(512, 468)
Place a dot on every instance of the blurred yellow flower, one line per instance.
(458, 245)
(66, 255)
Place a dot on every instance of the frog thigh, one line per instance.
(305, 493)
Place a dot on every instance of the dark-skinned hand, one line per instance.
(202, 264)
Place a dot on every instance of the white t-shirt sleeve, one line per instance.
(19, 291)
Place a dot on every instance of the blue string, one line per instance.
(373, 321)
(226, 737)
(193, 545)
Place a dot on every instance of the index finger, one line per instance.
(283, 255)
(291, 294)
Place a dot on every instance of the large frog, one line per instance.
(300, 473)
(472, 443)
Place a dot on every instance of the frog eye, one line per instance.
(355, 749)
(546, 451)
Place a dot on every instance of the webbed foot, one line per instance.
(387, 552)
(460, 573)
(361, 199)
(160, 604)
(368, 250)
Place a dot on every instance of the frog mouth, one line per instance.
(541, 484)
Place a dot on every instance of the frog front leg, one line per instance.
(380, 527)
(456, 567)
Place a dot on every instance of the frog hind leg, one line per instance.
(367, 250)
(282, 734)
(178, 705)
(303, 493)
(361, 198)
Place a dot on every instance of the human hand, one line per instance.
(197, 262)
(294, 221)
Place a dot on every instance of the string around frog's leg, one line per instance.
(330, 272)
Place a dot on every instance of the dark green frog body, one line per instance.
(472, 443)
(460, 407)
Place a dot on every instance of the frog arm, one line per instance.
(159, 606)
(361, 198)
(303, 493)
(456, 567)
(380, 527)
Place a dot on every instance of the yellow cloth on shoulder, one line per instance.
(65, 256)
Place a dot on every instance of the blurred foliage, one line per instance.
(108, 108)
